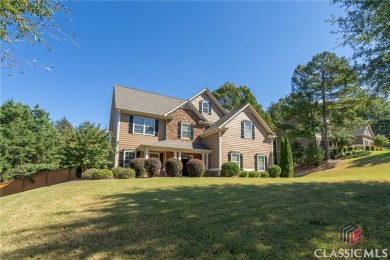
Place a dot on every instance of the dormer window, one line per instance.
(205, 107)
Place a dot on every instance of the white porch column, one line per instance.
(174, 154)
(146, 153)
(179, 155)
(207, 161)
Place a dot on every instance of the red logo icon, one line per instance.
(351, 233)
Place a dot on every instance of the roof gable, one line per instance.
(213, 99)
(364, 130)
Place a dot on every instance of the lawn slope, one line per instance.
(200, 217)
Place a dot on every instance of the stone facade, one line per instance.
(184, 116)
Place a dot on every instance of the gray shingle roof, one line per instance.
(182, 145)
(143, 101)
(222, 120)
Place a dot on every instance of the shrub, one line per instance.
(253, 174)
(350, 148)
(138, 165)
(153, 166)
(26, 170)
(345, 149)
(264, 174)
(243, 174)
(229, 169)
(195, 168)
(97, 174)
(274, 171)
(348, 153)
(372, 148)
(297, 152)
(287, 162)
(314, 154)
(381, 140)
(208, 173)
(173, 166)
(123, 173)
(368, 148)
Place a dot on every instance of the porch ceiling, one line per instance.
(176, 146)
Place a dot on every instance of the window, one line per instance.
(247, 129)
(185, 130)
(127, 157)
(205, 107)
(144, 125)
(154, 155)
(260, 162)
(235, 157)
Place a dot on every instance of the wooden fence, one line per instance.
(42, 179)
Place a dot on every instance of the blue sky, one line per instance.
(172, 48)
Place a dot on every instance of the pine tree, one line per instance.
(282, 156)
(289, 165)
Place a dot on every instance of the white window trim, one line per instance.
(250, 135)
(187, 138)
(124, 155)
(239, 158)
(257, 159)
(143, 130)
(208, 106)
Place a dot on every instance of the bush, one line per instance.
(368, 148)
(314, 154)
(208, 173)
(97, 174)
(243, 174)
(274, 171)
(195, 168)
(345, 149)
(372, 148)
(138, 165)
(173, 167)
(350, 148)
(123, 173)
(264, 174)
(297, 152)
(26, 170)
(253, 174)
(153, 166)
(229, 169)
(348, 153)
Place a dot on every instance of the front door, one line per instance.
(184, 160)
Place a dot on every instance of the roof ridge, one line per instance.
(116, 85)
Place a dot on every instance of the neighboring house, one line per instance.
(364, 136)
(148, 125)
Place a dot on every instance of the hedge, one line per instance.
(264, 174)
(153, 166)
(243, 174)
(123, 173)
(195, 168)
(138, 165)
(274, 171)
(97, 174)
(229, 169)
(173, 166)
(26, 170)
(253, 174)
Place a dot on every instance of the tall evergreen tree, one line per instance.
(282, 155)
(289, 164)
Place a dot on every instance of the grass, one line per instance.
(241, 218)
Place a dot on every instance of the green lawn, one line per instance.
(241, 218)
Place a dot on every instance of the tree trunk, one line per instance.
(326, 141)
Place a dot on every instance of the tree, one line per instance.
(366, 29)
(282, 155)
(87, 146)
(381, 140)
(289, 164)
(31, 21)
(26, 136)
(232, 97)
(332, 86)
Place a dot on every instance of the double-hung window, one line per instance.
(260, 162)
(127, 157)
(235, 157)
(143, 125)
(205, 107)
(185, 130)
(248, 129)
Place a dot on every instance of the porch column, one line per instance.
(179, 155)
(207, 161)
(146, 153)
(203, 159)
(174, 154)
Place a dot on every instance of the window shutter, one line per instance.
(179, 130)
(120, 159)
(131, 125)
(138, 154)
(156, 127)
(265, 162)
(161, 160)
(209, 108)
(229, 156)
(200, 106)
(242, 129)
(192, 132)
(241, 161)
(253, 131)
(256, 166)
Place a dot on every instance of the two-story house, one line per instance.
(147, 125)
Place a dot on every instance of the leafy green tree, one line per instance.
(87, 146)
(26, 136)
(381, 140)
(232, 97)
(366, 29)
(289, 164)
(29, 21)
(332, 90)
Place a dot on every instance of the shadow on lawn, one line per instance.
(371, 160)
(225, 221)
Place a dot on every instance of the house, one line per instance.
(146, 125)
(364, 136)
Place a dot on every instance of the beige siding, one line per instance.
(232, 141)
(212, 143)
(132, 141)
(362, 140)
(216, 113)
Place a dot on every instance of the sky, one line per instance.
(171, 48)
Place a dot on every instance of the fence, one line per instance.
(42, 179)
